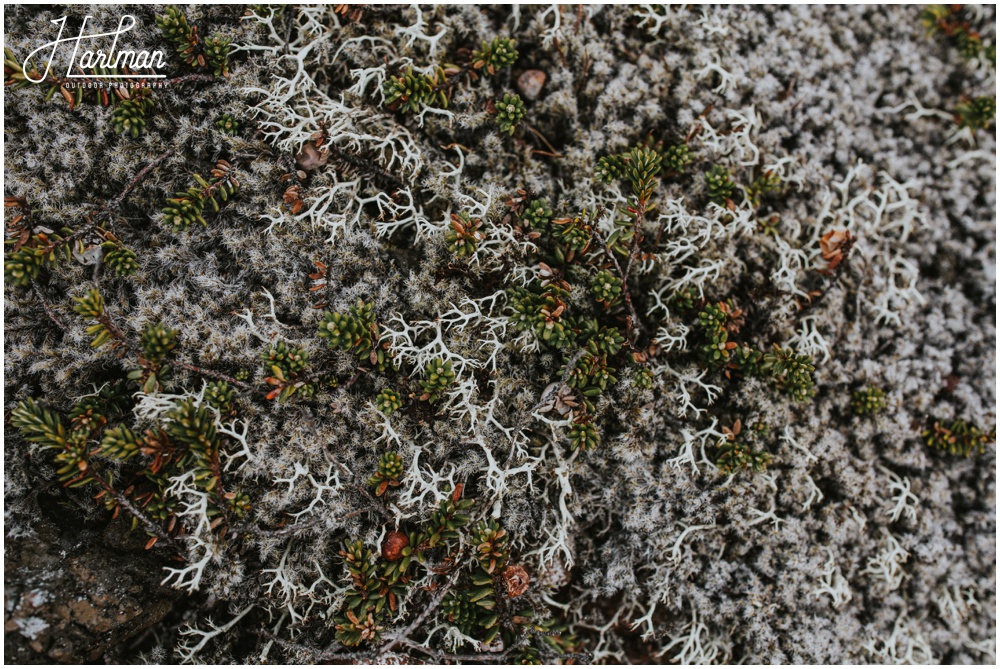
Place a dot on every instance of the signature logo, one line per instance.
(83, 57)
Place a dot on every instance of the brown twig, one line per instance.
(633, 324)
(375, 503)
(45, 305)
(105, 320)
(539, 152)
(536, 133)
(354, 379)
(96, 217)
(220, 377)
(439, 656)
(300, 527)
(190, 79)
(431, 607)
(146, 522)
(320, 655)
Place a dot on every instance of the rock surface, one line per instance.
(68, 598)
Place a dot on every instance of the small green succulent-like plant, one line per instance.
(288, 367)
(120, 443)
(735, 455)
(606, 288)
(685, 299)
(717, 351)
(746, 359)
(464, 234)
(537, 214)
(497, 54)
(356, 332)
(583, 435)
(119, 259)
(365, 608)
(211, 53)
(22, 266)
(540, 309)
(677, 158)
(791, 372)
(574, 232)
(509, 112)
(958, 438)
(174, 26)
(439, 376)
(640, 167)
(976, 113)
(388, 401)
(91, 305)
(216, 52)
(227, 124)
(353, 331)
(602, 338)
(767, 182)
(388, 474)
(644, 378)
(220, 396)
(492, 550)
(868, 401)
(188, 207)
(183, 212)
(713, 317)
(409, 91)
(717, 348)
(157, 342)
(472, 618)
(591, 374)
(291, 360)
(129, 116)
(719, 185)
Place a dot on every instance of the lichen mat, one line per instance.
(560, 334)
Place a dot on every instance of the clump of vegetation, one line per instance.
(227, 124)
(289, 371)
(410, 90)
(977, 113)
(210, 54)
(388, 401)
(131, 473)
(464, 235)
(188, 207)
(91, 305)
(868, 401)
(951, 23)
(482, 602)
(954, 25)
(958, 438)
(356, 332)
(118, 259)
(390, 471)
(719, 185)
(129, 116)
(438, 377)
(509, 112)
(495, 55)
